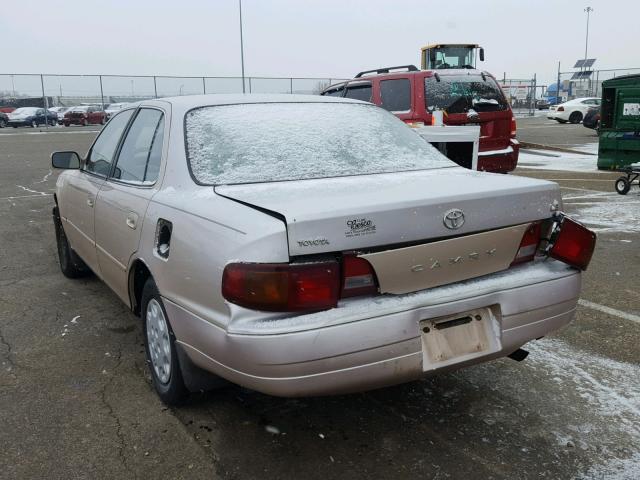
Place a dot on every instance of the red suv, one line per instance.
(84, 115)
(466, 96)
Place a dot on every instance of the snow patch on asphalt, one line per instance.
(611, 390)
(552, 160)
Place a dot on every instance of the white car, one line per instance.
(59, 111)
(572, 111)
(115, 108)
(307, 245)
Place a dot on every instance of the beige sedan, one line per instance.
(305, 245)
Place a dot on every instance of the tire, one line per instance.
(575, 117)
(84, 122)
(33, 124)
(2, 123)
(160, 347)
(67, 124)
(71, 264)
(560, 121)
(622, 185)
(102, 122)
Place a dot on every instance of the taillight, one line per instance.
(560, 109)
(513, 127)
(278, 287)
(358, 277)
(529, 244)
(572, 243)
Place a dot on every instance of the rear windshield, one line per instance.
(270, 142)
(461, 93)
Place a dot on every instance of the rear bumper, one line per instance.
(500, 161)
(374, 342)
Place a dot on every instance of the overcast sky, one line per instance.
(308, 38)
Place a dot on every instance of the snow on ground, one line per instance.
(552, 160)
(605, 211)
(611, 391)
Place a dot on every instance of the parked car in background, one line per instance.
(59, 111)
(543, 104)
(375, 261)
(467, 96)
(31, 117)
(4, 119)
(114, 108)
(84, 115)
(572, 111)
(592, 118)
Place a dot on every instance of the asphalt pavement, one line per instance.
(76, 400)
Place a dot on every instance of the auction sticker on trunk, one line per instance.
(458, 338)
(357, 227)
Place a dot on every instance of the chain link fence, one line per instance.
(41, 90)
(586, 83)
(522, 94)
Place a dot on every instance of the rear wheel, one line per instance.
(575, 117)
(623, 185)
(34, 124)
(84, 122)
(71, 264)
(162, 355)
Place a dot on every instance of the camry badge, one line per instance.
(453, 219)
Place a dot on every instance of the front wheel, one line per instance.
(2, 123)
(623, 185)
(159, 341)
(71, 264)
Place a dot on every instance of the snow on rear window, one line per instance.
(269, 142)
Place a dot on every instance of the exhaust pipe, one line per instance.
(519, 355)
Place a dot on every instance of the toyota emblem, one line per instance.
(453, 219)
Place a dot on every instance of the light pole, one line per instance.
(181, 87)
(586, 41)
(132, 88)
(241, 45)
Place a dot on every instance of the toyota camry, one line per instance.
(304, 245)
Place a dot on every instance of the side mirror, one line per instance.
(66, 160)
(482, 54)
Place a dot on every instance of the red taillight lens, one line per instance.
(560, 109)
(529, 244)
(358, 277)
(574, 244)
(513, 127)
(277, 287)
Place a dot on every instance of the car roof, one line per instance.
(187, 102)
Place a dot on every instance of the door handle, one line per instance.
(132, 220)
(90, 201)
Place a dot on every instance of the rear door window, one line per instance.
(461, 93)
(396, 95)
(139, 157)
(359, 91)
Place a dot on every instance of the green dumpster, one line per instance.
(619, 123)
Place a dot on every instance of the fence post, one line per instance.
(155, 87)
(44, 104)
(101, 92)
(249, 84)
(558, 86)
(204, 87)
(533, 98)
(291, 85)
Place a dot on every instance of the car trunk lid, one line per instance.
(373, 212)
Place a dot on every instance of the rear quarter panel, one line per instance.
(208, 232)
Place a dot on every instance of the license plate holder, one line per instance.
(457, 338)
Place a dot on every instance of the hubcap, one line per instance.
(158, 340)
